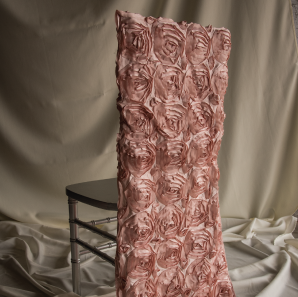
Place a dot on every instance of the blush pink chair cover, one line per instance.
(172, 79)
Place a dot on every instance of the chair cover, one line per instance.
(172, 79)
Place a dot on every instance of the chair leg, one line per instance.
(75, 258)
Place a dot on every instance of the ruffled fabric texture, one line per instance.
(172, 78)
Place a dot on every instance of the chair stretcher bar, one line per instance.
(100, 247)
(95, 230)
(95, 251)
(103, 221)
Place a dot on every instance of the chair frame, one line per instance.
(74, 224)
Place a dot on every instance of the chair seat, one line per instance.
(99, 193)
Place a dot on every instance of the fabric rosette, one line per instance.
(198, 182)
(140, 194)
(216, 131)
(198, 244)
(213, 210)
(215, 150)
(171, 119)
(122, 203)
(141, 288)
(217, 237)
(122, 173)
(214, 99)
(137, 231)
(169, 221)
(137, 157)
(171, 155)
(219, 115)
(168, 83)
(219, 268)
(140, 263)
(135, 82)
(197, 82)
(202, 292)
(171, 188)
(222, 288)
(214, 176)
(134, 38)
(196, 213)
(197, 44)
(200, 149)
(169, 42)
(136, 121)
(200, 116)
(170, 283)
(221, 45)
(198, 275)
(171, 253)
(219, 80)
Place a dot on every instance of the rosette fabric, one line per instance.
(172, 78)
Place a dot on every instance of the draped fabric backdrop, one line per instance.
(58, 126)
(58, 115)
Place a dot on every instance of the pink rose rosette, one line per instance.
(222, 288)
(197, 44)
(219, 80)
(137, 157)
(170, 283)
(198, 182)
(168, 83)
(140, 263)
(134, 38)
(171, 253)
(216, 131)
(196, 213)
(200, 149)
(168, 221)
(171, 188)
(122, 173)
(198, 275)
(221, 45)
(171, 155)
(141, 288)
(214, 99)
(171, 119)
(214, 176)
(197, 83)
(198, 244)
(135, 82)
(213, 209)
(140, 194)
(136, 231)
(202, 292)
(169, 42)
(200, 116)
(219, 267)
(136, 121)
